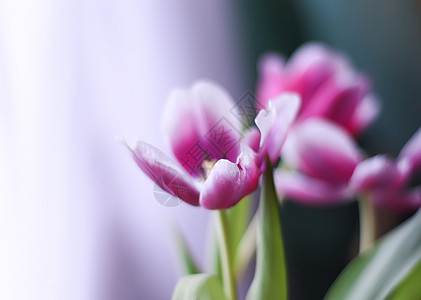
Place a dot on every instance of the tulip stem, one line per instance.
(367, 223)
(226, 255)
(246, 248)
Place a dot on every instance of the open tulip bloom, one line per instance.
(216, 170)
(217, 167)
(303, 147)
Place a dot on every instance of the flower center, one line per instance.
(206, 167)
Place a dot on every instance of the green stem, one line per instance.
(226, 255)
(367, 223)
(246, 248)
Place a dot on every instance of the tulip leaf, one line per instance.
(270, 281)
(384, 268)
(189, 265)
(199, 286)
(410, 287)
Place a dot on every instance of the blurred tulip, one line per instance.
(387, 182)
(218, 170)
(327, 83)
(322, 157)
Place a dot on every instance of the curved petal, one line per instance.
(301, 188)
(309, 67)
(364, 115)
(274, 123)
(252, 138)
(376, 173)
(165, 173)
(271, 78)
(313, 53)
(337, 100)
(322, 150)
(410, 157)
(199, 124)
(229, 182)
(403, 201)
(180, 130)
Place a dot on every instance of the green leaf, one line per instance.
(270, 280)
(376, 273)
(200, 287)
(183, 250)
(410, 287)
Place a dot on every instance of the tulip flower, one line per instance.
(216, 170)
(327, 83)
(319, 158)
(387, 182)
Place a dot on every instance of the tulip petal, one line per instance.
(403, 201)
(252, 138)
(274, 123)
(365, 113)
(309, 67)
(307, 190)
(199, 124)
(313, 53)
(180, 130)
(376, 173)
(410, 157)
(336, 100)
(322, 150)
(229, 182)
(271, 78)
(165, 173)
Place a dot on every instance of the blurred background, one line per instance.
(78, 220)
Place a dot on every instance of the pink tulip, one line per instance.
(329, 86)
(387, 182)
(319, 158)
(216, 170)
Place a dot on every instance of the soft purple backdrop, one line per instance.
(78, 220)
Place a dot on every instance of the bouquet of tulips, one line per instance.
(301, 145)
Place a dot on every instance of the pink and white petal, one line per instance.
(364, 115)
(229, 182)
(322, 150)
(252, 138)
(376, 173)
(344, 105)
(199, 124)
(335, 100)
(311, 54)
(274, 123)
(410, 157)
(310, 66)
(401, 201)
(271, 78)
(304, 189)
(165, 173)
(217, 125)
(179, 125)
(307, 83)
